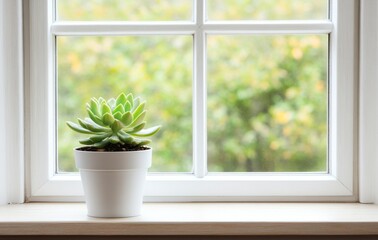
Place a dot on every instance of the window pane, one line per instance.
(156, 68)
(127, 10)
(267, 103)
(267, 9)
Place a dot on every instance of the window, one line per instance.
(266, 94)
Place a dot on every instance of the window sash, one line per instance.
(339, 183)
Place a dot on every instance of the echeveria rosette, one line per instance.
(115, 121)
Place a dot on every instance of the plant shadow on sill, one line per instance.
(367, 237)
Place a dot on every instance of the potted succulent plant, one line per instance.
(115, 160)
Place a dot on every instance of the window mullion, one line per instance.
(199, 94)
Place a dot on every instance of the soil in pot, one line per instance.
(114, 148)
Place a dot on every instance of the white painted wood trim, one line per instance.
(42, 95)
(11, 103)
(368, 180)
(343, 95)
(73, 28)
(183, 188)
(269, 27)
(197, 218)
(199, 95)
(121, 28)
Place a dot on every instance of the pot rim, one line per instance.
(105, 161)
(76, 149)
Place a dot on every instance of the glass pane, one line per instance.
(156, 68)
(126, 10)
(267, 9)
(267, 103)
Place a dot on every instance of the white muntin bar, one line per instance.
(268, 27)
(212, 27)
(112, 28)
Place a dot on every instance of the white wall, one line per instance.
(2, 126)
(11, 103)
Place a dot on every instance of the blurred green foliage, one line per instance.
(124, 10)
(267, 9)
(267, 103)
(267, 95)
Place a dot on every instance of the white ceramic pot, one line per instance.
(113, 182)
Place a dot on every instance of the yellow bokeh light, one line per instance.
(297, 53)
(281, 117)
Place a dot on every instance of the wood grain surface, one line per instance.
(195, 219)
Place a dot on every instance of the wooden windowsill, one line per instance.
(195, 219)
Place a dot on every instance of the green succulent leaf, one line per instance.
(105, 109)
(126, 138)
(78, 128)
(139, 109)
(137, 128)
(93, 106)
(86, 141)
(127, 118)
(147, 132)
(118, 116)
(102, 143)
(130, 99)
(112, 103)
(139, 119)
(82, 123)
(101, 101)
(94, 127)
(141, 142)
(116, 126)
(121, 99)
(114, 139)
(99, 138)
(89, 120)
(119, 109)
(95, 118)
(136, 103)
(107, 119)
(127, 106)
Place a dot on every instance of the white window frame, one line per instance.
(368, 111)
(11, 103)
(338, 185)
